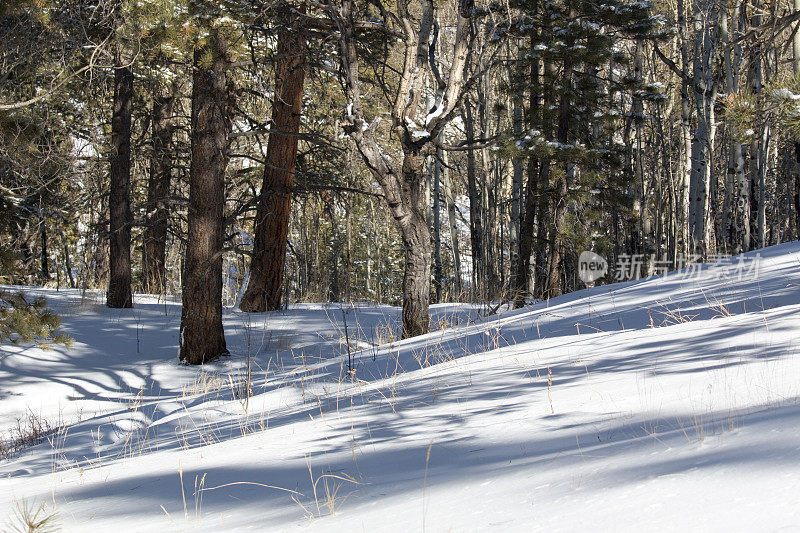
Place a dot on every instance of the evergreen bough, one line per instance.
(23, 321)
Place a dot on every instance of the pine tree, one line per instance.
(577, 96)
(202, 338)
(272, 218)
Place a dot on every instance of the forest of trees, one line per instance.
(262, 152)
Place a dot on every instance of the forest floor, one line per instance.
(668, 403)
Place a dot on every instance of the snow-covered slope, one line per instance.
(668, 402)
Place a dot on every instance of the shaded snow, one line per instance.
(663, 403)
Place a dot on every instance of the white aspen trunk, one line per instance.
(685, 167)
(704, 87)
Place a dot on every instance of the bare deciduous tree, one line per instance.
(403, 182)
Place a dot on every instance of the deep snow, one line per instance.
(663, 403)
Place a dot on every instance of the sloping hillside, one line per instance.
(649, 405)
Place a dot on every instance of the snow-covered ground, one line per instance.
(669, 403)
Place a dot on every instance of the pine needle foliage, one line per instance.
(24, 320)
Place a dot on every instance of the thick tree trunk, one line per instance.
(272, 218)
(119, 279)
(417, 248)
(155, 234)
(404, 189)
(202, 338)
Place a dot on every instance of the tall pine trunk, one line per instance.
(119, 279)
(155, 234)
(272, 218)
(202, 338)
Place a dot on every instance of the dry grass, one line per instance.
(204, 384)
(387, 332)
(31, 518)
(30, 430)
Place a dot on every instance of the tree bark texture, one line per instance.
(119, 279)
(155, 233)
(272, 217)
(404, 187)
(202, 338)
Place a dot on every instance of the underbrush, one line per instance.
(30, 430)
